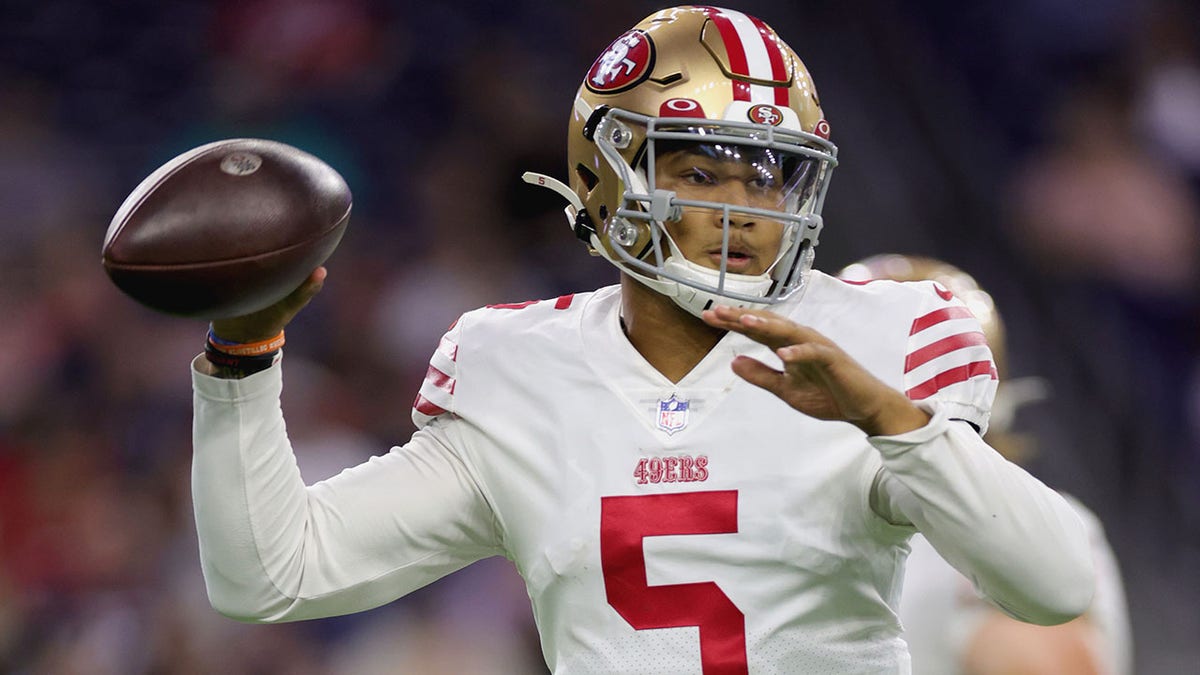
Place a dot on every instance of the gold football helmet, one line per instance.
(1012, 393)
(685, 78)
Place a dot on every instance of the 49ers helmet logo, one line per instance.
(764, 113)
(626, 62)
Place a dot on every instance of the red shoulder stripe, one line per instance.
(514, 305)
(952, 376)
(938, 316)
(440, 380)
(562, 302)
(944, 346)
(426, 407)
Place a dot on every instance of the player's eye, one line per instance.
(698, 176)
(764, 178)
(764, 182)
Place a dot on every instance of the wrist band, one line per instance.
(246, 364)
(247, 357)
(271, 344)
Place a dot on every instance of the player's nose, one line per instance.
(736, 194)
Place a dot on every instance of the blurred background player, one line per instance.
(949, 629)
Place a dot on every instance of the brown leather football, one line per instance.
(226, 229)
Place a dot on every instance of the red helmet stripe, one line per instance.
(753, 52)
(778, 68)
(734, 50)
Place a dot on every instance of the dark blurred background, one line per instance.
(1051, 148)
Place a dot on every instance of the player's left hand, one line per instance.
(818, 378)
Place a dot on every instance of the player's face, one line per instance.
(727, 174)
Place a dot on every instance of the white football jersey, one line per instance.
(660, 525)
(698, 526)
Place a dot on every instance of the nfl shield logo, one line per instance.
(672, 414)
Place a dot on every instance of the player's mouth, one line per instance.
(739, 260)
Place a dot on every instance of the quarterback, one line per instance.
(713, 466)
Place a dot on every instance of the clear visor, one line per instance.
(742, 171)
(754, 177)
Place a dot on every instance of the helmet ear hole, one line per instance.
(589, 178)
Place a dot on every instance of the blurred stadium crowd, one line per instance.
(1051, 150)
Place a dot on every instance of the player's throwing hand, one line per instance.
(271, 320)
(818, 378)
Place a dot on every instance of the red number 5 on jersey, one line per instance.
(624, 522)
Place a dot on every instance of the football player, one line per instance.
(951, 630)
(713, 466)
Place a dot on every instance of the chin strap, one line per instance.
(534, 178)
(577, 217)
(579, 221)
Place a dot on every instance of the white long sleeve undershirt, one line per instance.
(989, 518)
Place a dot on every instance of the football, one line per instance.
(226, 229)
